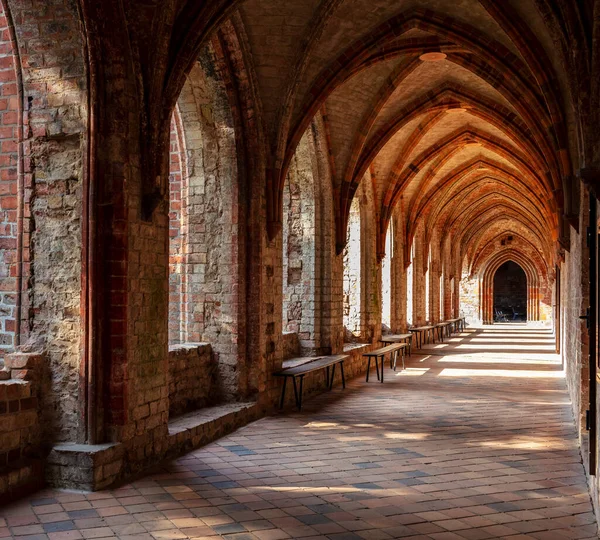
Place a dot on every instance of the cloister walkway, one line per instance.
(474, 440)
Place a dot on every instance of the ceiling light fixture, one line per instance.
(433, 57)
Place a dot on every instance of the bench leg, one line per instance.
(301, 390)
(327, 375)
(382, 366)
(281, 401)
(332, 376)
(368, 368)
(343, 376)
(377, 368)
(296, 393)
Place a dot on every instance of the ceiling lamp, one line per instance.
(432, 57)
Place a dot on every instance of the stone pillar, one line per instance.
(398, 272)
(419, 262)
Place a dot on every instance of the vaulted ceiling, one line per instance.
(461, 112)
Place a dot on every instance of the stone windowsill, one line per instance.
(352, 347)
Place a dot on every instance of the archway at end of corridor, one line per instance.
(510, 293)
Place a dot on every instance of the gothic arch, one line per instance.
(487, 284)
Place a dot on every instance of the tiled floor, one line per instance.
(474, 440)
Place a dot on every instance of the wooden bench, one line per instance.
(458, 324)
(444, 329)
(380, 354)
(424, 333)
(311, 365)
(390, 339)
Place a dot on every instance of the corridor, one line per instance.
(474, 440)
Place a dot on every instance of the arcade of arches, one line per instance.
(193, 192)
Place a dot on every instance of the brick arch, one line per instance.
(521, 87)
(178, 229)
(487, 284)
(500, 147)
(494, 113)
(463, 189)
(471, 226)
(360, 55)
(445, 149)
(205, 203)
(482, 239)
(465, 192)
(451, 145)
(481, 253)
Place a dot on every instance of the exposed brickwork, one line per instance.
(209, 267)
(353, 301)
(192, 378)
(299, 246)
(11, 201)
(178, 190)
(54, 96)
(20, 427)
(234, 173)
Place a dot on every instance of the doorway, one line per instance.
(510, 293)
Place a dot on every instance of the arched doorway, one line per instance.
(510, 293)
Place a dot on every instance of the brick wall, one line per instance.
(210, 274)
(20, 428)
(177, 232)
(10, 199)
(353, 274)
(55, 121)
(192, 378)
(299, 245)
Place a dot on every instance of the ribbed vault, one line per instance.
(458, 117)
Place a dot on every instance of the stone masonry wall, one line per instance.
(299, 238)
(55, 119)
(574, 301)
(192, 378)
(352, 274)
(212, 269)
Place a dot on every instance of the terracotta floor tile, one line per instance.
(457, 446)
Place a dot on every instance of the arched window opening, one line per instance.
(409, 287)
(352, 275)
(442, 294)
(386, 281)
(452, 299)
(177, 312)
(299, 246)
(14, 245)
(428, 306)
(206, 209)
(510, 293)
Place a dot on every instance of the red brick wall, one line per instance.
(177, 233)
(9, 200)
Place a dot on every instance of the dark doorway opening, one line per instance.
(510, 293)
